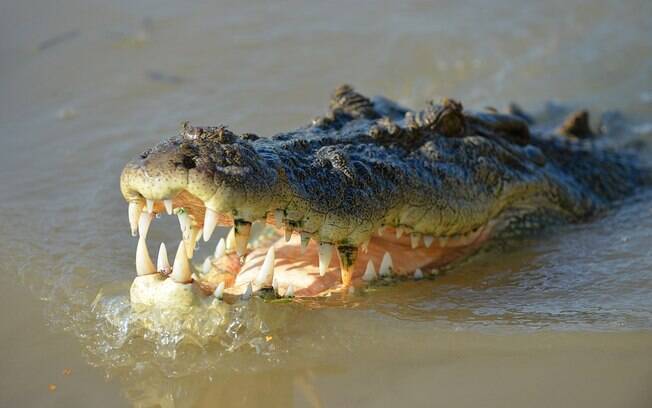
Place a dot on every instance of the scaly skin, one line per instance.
(459, 177)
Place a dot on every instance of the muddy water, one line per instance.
(562, 319)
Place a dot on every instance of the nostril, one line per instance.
(189, 162)
(144, 154)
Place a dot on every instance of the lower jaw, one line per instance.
(296, 270)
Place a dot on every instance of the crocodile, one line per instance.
(370, 191)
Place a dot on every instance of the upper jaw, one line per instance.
(248, 182)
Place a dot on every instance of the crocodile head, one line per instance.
(369, 190)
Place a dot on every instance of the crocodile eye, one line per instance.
(188, 162)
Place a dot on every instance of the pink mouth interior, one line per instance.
(298, 267)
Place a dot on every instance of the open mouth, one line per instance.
(275, 256)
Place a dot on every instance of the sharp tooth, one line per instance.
(289, 292)
(134, 215)
(267, 268)
(248, 292)
(386, 265)
(288, 234)
(305, 240)
(210, 221)
(184, 224)
(415, 237)
(220, 249)
(427, 240)
(181, 269)
(219, 291)
(275, 284)
(347, 256)
(381, 231)
(325, 255)
(418, 274)
(278, 218)
(191, 241)
(365, 246)
(370, 272)
(168, 206)
(143, 223)
(162, 263)
(207, 265)
(399, 232)
(242, 230)
(144, 265)
(230, 240)
(150, 206)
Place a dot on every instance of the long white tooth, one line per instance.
(415, 237)
(150, 206)
(219, 291)
(207, 265)
(266, 272)
(210, 221)
(399, 232)
(418, 274)
(278, 218)
(305, 240)
(241, 235)
(184, 224)
(220, 249)
(181, 268)
(386, 265)
(289, 292)
(427, 240)
(162, 263)
(188, 243)
(381, 230)
(143, 223)
(191, 243)
(370, 272)
(144, 265)
(325, 255)
(134, 215)
(275, 284)
(364, 247)
(230, 240)
(168, 206)
(248, 292)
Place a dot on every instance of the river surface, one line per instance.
(560, 319)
